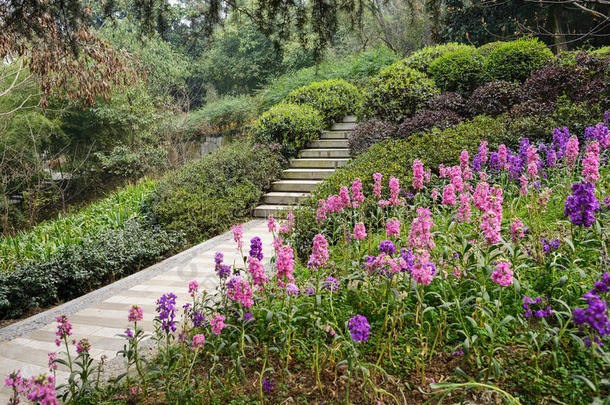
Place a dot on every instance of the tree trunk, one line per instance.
(558, 38)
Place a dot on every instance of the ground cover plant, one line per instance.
(484, 280)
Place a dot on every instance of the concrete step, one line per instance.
(306, 174)
(324, 153)
(263, 211)
(295, 186)
(350, 118)
(335, 134)
(284, 198)
(343, 126)
(318, 163)
(328, 143)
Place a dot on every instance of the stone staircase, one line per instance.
(312, 165)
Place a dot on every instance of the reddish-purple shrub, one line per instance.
(368, 133)
(449, 101)
(551, 82)
(531, 108)
(427, 120)
(494, 98)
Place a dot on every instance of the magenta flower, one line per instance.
(420, 236)
(359, 231)
(377, 177)
(218, 323)
(464, 212)
(193, 288)
(271, 224)
(344, 197)
(503, 274)
(135, 314)
(517, 229)
(571, 154)
(257, 271)
(321, 212)
(238, 234)
(83, 346)
(394, 191)
(464, 160)
(423, 269)
(52, 363)
(198, 341)
(357, 196)
(418, 174)
(502, 157)
(449, 197)
(238, 290)
(319, 253)
(285, 265)
(64, 329)
(393, 227)
(590, 169)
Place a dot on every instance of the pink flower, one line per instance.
(427, 176)
(418, 175)
(83, 346)
(319, 253)
(502, 156)
(464, 212)
(456, 178)
(64, 329)
(271, 224)
(394, 191)
(449, 195)
(423, 269)
(218, 323)
(517, 229)
(287, 225)
(468, 175)
(503, 274)
(321, 212)
(344, 197)
(285, 265)
(524, 183)
(434, 194)
(483, 176)
(239, 291)
(52, 363)
(393, 227)
(377, 177)
(136, 314)
(198, 341)
(590, 164)
(420, 236)
(357, 195)
(491, 219)
(257, 271)
(483, 149)
(480, 197)
(464, 160)
(193, 288)
(571, 154)
(359, 231)
(238, 235)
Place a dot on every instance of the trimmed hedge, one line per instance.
(334, 99)
(397, 92)
(516, 60)
(77, 269)
(494, 98)
(206, 196)
(368, 133)
(290, 125)
(461, 71)
(422, 58)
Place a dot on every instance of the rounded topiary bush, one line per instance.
(422, 58)
(397, 92)
(426, 120)
(290, 125)
(494, 98)
(449, 101)
(461, 71)
(368, 133)
(334, 99)
(516, 60)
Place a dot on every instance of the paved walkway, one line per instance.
(102, 314)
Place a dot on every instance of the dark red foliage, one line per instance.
(551, 82)
(449, 101)
(426, 120)
(368, 133)
(494, 98)
(531, 108)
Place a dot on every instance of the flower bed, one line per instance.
(487, 282)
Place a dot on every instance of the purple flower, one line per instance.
(166, 307)
(359, 328)
(594, 316)
(267, 384)
(292, 289)
(129, 333)
(331, 284)
(548, 247)
(197, 318)
(310, 291)
(256, 248)
(387, 247)
(223, 271)
(409, 258)
(582, 204)
(530, 304)
(248, 317)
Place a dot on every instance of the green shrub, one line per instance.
(290, 125)
(354, 69)
(205, 197)
(422, 58)
(461, 71)
(334, 99)
(74, 270)
(397, 92)
(516, 60)
(228, 115)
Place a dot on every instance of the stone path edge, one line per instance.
(71, 307)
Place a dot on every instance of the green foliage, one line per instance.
(76, 269)
(422, 59)
(516, 60)
(206, 196)
(334, 99)
(397, 92)
(42, 241)
(356, 69)
(461, 71)
(290, 125)
(229, 115)
(125, 163)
